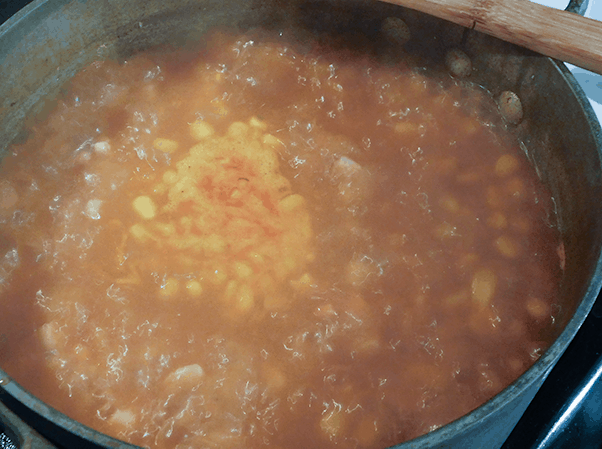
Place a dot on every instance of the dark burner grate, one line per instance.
(6, 442)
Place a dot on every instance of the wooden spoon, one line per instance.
(560, 34)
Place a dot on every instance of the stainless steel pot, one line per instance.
(43, 45)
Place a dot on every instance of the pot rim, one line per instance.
(539, 370)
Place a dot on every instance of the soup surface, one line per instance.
(258, 245)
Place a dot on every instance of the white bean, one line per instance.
(511, 107)
(395, 30)
(186, 375)
(458, 63)
(483, 286)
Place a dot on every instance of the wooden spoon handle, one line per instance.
(560, 34)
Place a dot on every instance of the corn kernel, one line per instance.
(203, 153)
(169, 288)
(8, 195)
(270, 140)
(537, 308)
(238, 129)
(170, 177)
(285, 267)
(132, 278)
(446, 165)
(466, 260)
(145, 207)
(469, 178)
(256, 123)
(304, 231)
(217, 275)
(360, 269)
(274, 377)
(166, 229)
(516, 188)
(122, 419)
(405, 128)
(516, 365)
(220, 108)
(102, 147)
(484, 320)
(215, 244)
(200, 130)
(48, 334)
(457, 298)
(230, 289)
(242, 270)
(187, 376)
(506, 165)
(445, 230)
(560, 250)
(303, 282)
(245, 297)
(494, 198)
(332, 422)
(278, 183)
(471, 126)
(450, 204)
(507, 246)
(165, 145)
(273, 302)
(194, 288)
(140, 233)
(497, 220)
(267, 161)
(397, 239)
(256, 258)
(306, 279)
(291, 202)
(483, 286)
(365, 345)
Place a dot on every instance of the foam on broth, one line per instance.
(262, 245)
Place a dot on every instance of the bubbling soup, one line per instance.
(270, 244)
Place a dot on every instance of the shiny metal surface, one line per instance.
(581, 408)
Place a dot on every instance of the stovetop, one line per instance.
(567, 411)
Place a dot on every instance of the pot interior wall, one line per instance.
(48, 42)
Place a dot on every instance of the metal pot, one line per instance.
(43, 45)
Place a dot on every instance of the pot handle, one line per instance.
(577, 6)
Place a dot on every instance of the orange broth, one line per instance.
(261, 246)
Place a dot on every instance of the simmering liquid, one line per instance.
(261, 246)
